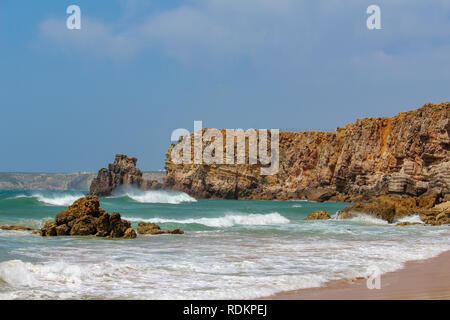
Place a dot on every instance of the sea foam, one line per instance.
(367, 219)
(412, 219)
(228, 220)
(156, 196)
(53, 199)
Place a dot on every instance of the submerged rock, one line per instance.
(390, 208)
(84, 218)
(153, 228)
(149, 228)
(319, 215)
(15, 227)
(175, 231)
(402, 224)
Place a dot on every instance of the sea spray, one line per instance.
(57, 199)
(155, 196)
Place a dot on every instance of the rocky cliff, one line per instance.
(407, 154)
(122, 171)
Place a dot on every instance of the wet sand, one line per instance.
(422, 279)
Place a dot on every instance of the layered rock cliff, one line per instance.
(122, 171)
(407, 154)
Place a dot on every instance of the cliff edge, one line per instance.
(407, 154)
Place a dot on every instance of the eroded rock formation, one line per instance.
(407, 154)
(122, 171)
(430, 207)
(85, 217)
(319, 215)
(153, 228)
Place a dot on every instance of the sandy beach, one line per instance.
(422, 279)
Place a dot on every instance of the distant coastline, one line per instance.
(57, 181)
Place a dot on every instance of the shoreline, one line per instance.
(427, 279)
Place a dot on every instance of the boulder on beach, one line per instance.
(153, 228)
(85, 218)
(319, 215)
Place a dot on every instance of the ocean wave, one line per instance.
(52, 199)
(156, 196)
(367, 219)
(34, 223)
(229, 220)
(412, 218)
(67, 280)
(19, 273)
(250, 272)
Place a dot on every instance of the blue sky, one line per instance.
(71, 99)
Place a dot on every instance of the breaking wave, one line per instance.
(412, 218)
(366, 219)
(229, 220)
(157, 196)
(53, 199)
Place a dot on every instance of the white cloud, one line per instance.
(93, 38)
(269, 32)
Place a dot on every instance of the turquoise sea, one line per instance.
(230, 249)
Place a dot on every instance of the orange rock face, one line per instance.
(407, 154)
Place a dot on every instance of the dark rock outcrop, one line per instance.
(408, 154)
(122, 171)
(84, 218)
(153, 228)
